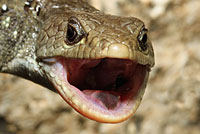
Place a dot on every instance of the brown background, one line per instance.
(171, 104)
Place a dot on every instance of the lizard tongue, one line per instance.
(107, 99)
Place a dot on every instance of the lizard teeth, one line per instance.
(50, 60)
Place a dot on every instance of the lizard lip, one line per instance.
(105, 90)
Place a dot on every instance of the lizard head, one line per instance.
(98, 63)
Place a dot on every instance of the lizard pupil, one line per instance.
(71, 33)
(142, 39)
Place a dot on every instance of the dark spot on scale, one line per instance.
(32, 6)
(27, 5)
(109, 99)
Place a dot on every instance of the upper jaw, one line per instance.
(102, 104)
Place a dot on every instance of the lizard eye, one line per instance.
(71, 33)
(74, 32)
(142, 39)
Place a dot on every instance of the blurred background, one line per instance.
(171, 104)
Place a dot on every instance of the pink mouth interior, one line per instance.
(108, 83)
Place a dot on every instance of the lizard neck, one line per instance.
(18, 38)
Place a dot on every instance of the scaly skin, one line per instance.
(34, 35)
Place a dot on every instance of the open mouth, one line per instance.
(105, 90)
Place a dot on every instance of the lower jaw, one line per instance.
(85, 104)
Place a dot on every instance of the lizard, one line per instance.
(97, 62)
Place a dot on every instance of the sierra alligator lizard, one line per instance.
(98, 63)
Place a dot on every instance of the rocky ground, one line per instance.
(171, 104)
